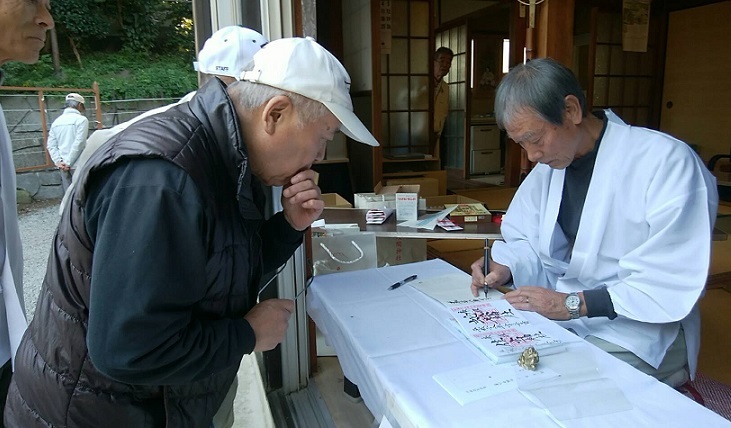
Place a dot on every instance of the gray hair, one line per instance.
(73, 103)
(540, 85)
(443, 51)
(250, 96)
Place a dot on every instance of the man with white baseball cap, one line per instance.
(326, 82)
(228, 51)
(168, 228)
(67, 137)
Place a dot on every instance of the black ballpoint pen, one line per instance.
(486, 268)
(402, 282)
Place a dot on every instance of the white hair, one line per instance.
(253, 95)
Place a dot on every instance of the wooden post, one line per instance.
(518, 43)
(44, 126)
(98, 101)
(376, 113)
(525, 164)
(555, 30)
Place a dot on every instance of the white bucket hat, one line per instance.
(304, 67)
(228, 51)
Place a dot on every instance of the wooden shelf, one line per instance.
(387, 160)
(329, 161)
(410, 173)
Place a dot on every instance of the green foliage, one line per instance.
(123, 75)
(138, 25)
(81, 18)
(132, 48)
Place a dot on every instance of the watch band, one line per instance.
(574, 311)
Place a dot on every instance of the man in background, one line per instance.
(224, 55)
(23, 27)
(150, 298)
(442, 63)
(67, 137)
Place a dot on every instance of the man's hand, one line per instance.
(549, 303)
(63, 166)
(498, 275)
(301, 200)
(269, 320)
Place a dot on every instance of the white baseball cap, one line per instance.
(228, 51)
(304, 67)
(75, 97)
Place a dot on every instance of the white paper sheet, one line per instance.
(480, 381)
(428, 221)
(594, 397)
(474, 383)
(442, 289)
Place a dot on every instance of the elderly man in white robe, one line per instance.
(610, 234)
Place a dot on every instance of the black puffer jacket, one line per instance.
(56, 383)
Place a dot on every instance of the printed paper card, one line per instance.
(407, 206)
(472, 383)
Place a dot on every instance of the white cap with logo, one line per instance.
(302, 66)
(75, 97)
(228, 51)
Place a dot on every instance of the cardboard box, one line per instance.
(427, 186)
(333, 200)
(494, 198)
(469, 213)
(398, 251)
(460, 253)
(437, 203)
(385, 197)
(439, 175)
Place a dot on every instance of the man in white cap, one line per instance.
(150, 297)
(67, 137)
(227, 53)
(224, 55)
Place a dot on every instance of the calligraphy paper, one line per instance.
(500, 331)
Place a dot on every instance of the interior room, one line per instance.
(388, 55)
(668, 76)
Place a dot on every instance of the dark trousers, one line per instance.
(6, 373)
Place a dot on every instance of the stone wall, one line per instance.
(39, 185)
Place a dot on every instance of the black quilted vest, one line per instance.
(56, 384)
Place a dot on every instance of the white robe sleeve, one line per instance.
(520, 228)
(661, 280)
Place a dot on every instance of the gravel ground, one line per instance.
(38, 223)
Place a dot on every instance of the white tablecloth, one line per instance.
(391, 343)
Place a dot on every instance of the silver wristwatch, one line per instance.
(573, 304)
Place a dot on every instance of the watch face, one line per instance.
(573, 302)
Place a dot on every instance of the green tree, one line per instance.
(78, 20)
(133, 48)
(135, 25)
